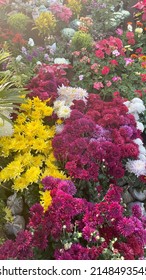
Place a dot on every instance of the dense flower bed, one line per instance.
(72, 130)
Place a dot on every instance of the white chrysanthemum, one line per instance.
(142, 157)
(136, 108)
(140, 126)
(138, 167)
(64, 112)
(58, 104)
(137, 100)
(138, 141)
(71, 93)
(127, 103)
(59, 128)
(142, 150)
(136, 116)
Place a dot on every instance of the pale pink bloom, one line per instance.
(108, 83)
(119, 31)
(98, 85)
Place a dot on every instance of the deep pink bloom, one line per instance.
(105, 70)
(126, 226)
(99, 54)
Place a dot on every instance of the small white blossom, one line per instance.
(18, 58)
(138, 141)
(31, 42)
(129, 27)
(140, 126)
(67, 245)
(138, 30)
(138, 167)
(64, 112)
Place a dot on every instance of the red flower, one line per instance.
(129, 35)
(116, 94)
(99, 54)
(114, 62)
(143, 77)
(131, 42)
(139, 50)
(142, 178)
(18, 39)
(105, 70)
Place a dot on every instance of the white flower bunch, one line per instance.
(138, 167)
(65, 100)
(70, 93)
(136, 107)
(142, 150)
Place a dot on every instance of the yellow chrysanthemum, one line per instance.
(45, 199)
(38, 160)
(32, 174)
(12, 170)
(30, 147)
(20, 183)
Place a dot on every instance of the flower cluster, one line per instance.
(61, 12)
(66, 96)
(108, 69)
(98, 134)
(48, 79)
(33, 157)
(138, 167)
(141, 6)
(112, 45)
(79, 230)
(105, 224)
(45, 23)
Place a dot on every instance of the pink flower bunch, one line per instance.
(45, 83)
(97, 134)
(141, 5)
(79, 229)
(107, 46)
(130, 37)
(107, 220)
(20, 249)
(61, 12)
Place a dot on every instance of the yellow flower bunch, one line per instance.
(30, 147)
(45, 23)
(45, 199)
(75, 6)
